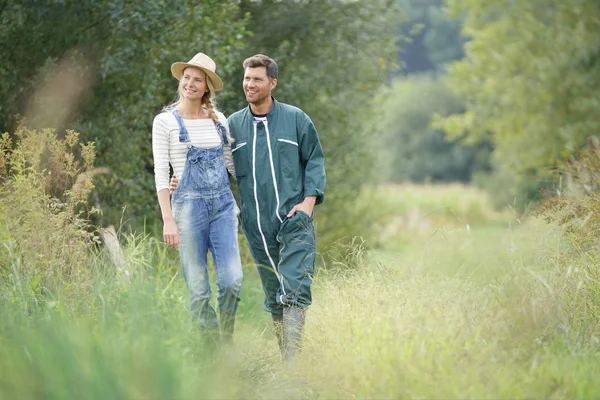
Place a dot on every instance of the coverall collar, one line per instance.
(270, 114)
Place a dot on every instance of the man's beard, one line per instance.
(258, 101)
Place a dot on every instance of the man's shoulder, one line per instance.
(238, 115)
(294, 113)
(288, 108)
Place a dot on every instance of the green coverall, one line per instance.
(278, 162)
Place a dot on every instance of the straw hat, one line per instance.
(206, 64)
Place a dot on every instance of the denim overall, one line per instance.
(205, 213)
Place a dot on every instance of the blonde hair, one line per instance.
(208, 103)
(210, 107)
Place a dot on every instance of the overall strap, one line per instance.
(222, 131)
(183, 133)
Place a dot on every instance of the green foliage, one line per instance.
(123, 51)
(136, 83)
(443, 40)
(416, 151)
(575, 209)
(530, 78)
(523, 193)
(501, 184)
(333, 57)
(436, 37)
(45, 238)
(33, 36)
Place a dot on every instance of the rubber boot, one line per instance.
(293, 329)
(227, 327)
(278, 327)
(210, 338)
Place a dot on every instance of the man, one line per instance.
(279, 166)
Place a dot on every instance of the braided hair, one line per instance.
(211, 110)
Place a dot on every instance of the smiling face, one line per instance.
(257, 85)
(192, 85)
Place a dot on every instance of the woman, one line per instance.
(193, 137)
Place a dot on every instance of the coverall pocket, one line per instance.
(304, 215)
(240, 159)
(289, 157)
(298, 229)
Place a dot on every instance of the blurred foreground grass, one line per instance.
(466, 303)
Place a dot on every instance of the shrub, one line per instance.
(576, 210)
(44, 186)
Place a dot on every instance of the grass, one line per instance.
(416, 211)
(442, 311)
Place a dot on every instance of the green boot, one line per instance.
(278, 328)
(227, 327)
(210, 338)
(293, 329)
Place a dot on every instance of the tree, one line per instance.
(334, 55)
(531, 78)
(125, 48)
(419, 152)
(435, 37)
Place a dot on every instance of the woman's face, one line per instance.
(193, 84)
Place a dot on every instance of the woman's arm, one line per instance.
(227, 147)
(170, 231)
(160, 153)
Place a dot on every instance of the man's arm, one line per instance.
(313, 161)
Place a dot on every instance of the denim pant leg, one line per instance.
(224, 247)
(192, 222)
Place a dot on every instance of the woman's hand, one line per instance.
(173, 184)
(171, 233)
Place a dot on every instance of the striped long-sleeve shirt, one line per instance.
(166, 147)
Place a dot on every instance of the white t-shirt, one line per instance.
(166, 147)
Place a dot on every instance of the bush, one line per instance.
(44, 186)
(576, 210)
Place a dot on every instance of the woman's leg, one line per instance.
(192, 221)
(223, 244)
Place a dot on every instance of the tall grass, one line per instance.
(117, 338)
(413, 327)
(479, 313)
(471, 304)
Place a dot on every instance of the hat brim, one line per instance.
(178, 67)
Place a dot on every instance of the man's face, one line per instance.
(257, 85)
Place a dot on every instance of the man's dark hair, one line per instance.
(260, 60)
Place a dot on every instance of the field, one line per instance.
(452, 299)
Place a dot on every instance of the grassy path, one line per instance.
(486, 310)
(465, 314)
